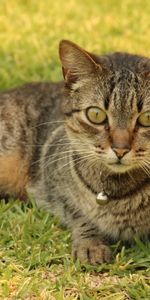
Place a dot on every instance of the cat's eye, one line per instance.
(96, 115)
(144, 119)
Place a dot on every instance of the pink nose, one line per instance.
(120, 142)
(120, 152)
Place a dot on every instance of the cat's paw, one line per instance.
(91, 251)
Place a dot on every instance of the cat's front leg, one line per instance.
(89, 249)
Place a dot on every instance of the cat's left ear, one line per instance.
(76, 62)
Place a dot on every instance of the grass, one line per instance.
(35, 260)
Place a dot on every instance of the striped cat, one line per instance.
(82, 149)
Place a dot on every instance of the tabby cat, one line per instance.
(82, 149)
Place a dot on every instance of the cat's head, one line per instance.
(107, 107)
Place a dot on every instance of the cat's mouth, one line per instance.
(119, 166)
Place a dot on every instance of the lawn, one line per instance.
(35, 261)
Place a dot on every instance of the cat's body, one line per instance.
(65, 162)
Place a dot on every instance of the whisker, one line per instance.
(54, 145)
(49, 162)
(61, 142)
(48, 123)
(145, 169)
(131, 177)
(76, 161)
(91, 162)
(68, 164)
(55, 154)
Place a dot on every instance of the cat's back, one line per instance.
(28, 114)
(36, 96)
(33, 107)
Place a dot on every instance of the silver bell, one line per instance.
(102, 199)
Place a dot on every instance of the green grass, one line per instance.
(35, 261)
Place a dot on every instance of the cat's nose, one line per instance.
(120, 152)
(120, 142)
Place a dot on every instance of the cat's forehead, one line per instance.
(116, 90)
(131, 92)
(124, 90)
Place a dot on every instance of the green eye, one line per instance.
(96, 115)
(144, 119)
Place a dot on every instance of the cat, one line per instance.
(81, 148)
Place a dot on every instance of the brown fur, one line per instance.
(13, 174)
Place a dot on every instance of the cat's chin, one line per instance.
(119, 168)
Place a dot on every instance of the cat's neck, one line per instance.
(116, 186)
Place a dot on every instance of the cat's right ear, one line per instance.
(76, 62)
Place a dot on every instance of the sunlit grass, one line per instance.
(35, 261)
(30, 31)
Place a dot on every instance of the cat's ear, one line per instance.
(76, 62)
